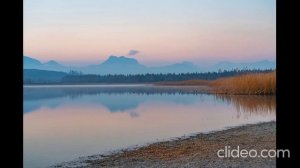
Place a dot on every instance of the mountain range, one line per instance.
(125, 65)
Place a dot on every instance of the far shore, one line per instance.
(247, 84)
(195, 151)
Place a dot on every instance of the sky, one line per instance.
(79, 32)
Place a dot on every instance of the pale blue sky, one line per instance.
(86, 31)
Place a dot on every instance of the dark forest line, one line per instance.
(74, 77)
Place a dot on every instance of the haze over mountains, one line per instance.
(125, 65)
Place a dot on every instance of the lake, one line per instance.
(62, 123)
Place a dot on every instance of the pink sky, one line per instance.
(79, 32)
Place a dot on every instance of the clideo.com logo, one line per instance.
(229, 152)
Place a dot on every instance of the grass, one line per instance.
(255, 84)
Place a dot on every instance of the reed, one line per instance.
(258, 84)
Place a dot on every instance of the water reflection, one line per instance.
(118, 98)
(122, 98)
(45, 92)
(254, 104)
(62, 123)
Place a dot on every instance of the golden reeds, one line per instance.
(258, 84)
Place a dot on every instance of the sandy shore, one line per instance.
(195, 151)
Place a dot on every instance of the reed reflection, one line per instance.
(258, 105)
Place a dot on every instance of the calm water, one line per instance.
(62, 123)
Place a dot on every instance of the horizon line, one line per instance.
(87, 63)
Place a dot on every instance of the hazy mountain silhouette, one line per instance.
(115, 60)
(116, 65)
(125, 65)
(52, 63)
(31, 63)
(183, 67)
(226, 65)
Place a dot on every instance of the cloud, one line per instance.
(133, 52)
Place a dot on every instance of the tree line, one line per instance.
(79, 78)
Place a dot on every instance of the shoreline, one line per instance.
(197, 150)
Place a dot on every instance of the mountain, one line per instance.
(113, 65)
(116, 65)
(183, 67)
(114, 60)
(31, 63)
(42, 76)
(226, 65)
(125, 65)
(52, 63)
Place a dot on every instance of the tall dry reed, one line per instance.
(259, 84)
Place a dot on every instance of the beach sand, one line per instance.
(195, 151)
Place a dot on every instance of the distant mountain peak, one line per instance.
(52, 63)
(186, 63)
(263, 64)
(31, 62)
(126, 65)
(120, 60)
(112, 57)
(29, 59)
